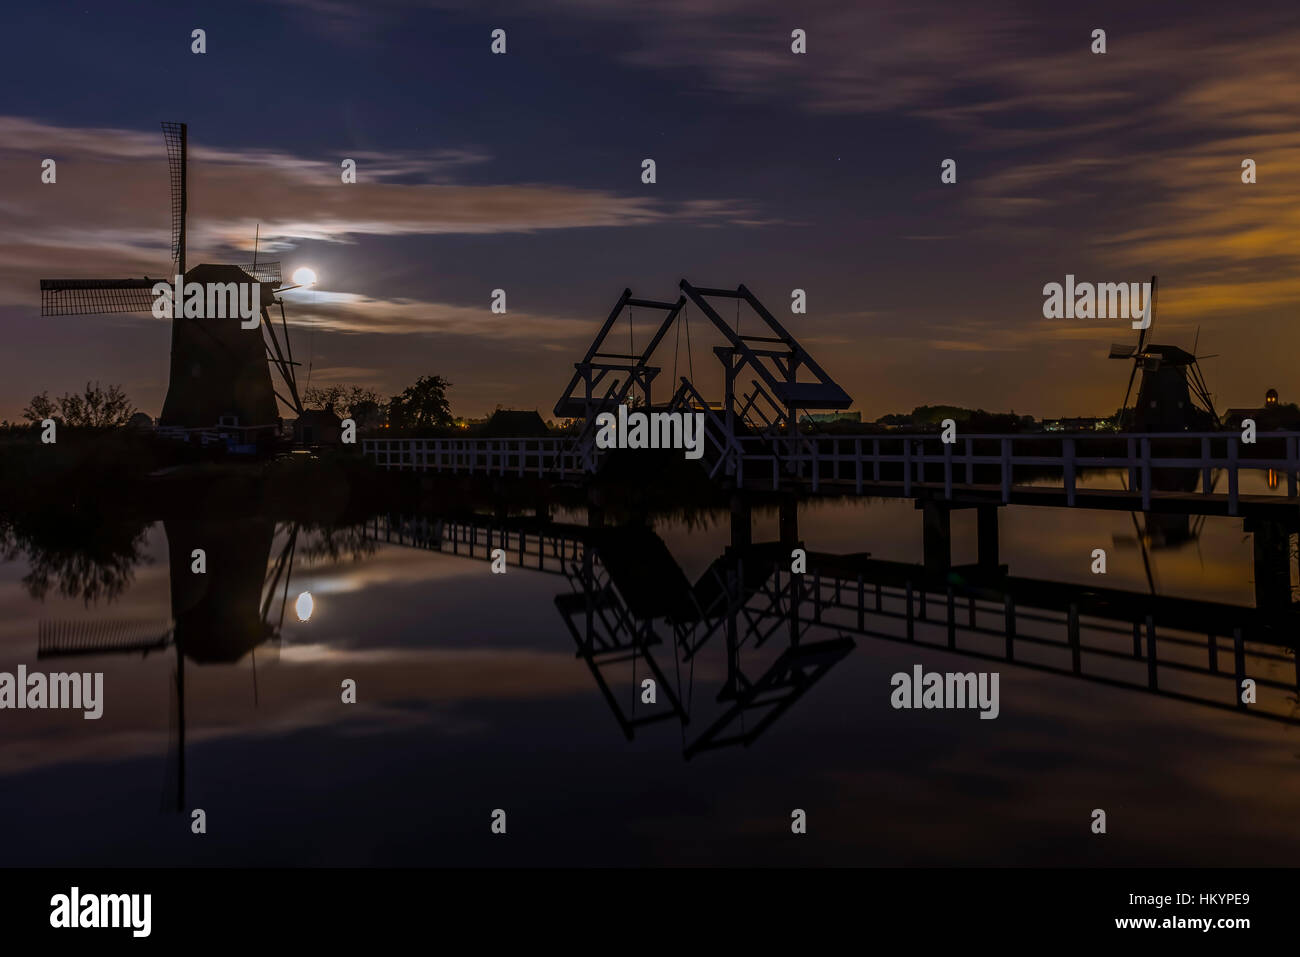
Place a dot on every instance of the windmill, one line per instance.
(220, 377)
(1172, 395)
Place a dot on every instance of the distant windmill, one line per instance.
(1172, 395)
(219, 376)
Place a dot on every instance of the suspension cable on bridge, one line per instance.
(676, 352)
(690, 353)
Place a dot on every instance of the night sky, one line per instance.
(523, 172)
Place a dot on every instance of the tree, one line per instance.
(96, 408)
(348, 402)
(421, 405)
(41, 407)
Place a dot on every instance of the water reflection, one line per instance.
(758, 674)
(228, 593)
(76, 552)
(632, 612)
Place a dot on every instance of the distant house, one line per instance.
(317, 427)
(513, 423)
(1272, 416)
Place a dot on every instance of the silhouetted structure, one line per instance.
(317, 427)
(606, 379)
(514, 423)
(219, 374)
(1172, 395)
(219, 379)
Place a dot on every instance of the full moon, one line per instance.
(304, 606)
(304, 276)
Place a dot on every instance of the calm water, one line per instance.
(470, 697)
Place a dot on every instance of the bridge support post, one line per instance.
(742, 526)
(937, 536)
(1272, 541)
(987, 534)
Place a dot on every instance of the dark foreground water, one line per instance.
(470, 697)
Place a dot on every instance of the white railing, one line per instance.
(857, 460)
(519, 457)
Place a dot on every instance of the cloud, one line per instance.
(107, 214)
(1147, 128)
(352, 313)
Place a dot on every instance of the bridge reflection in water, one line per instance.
(633, 615)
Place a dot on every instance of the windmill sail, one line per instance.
(89, 297)
(175, 135)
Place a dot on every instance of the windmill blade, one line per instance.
(276, 356)
(1151, 305)
(63, 639)
(264, 272)
(1200, 390)
(1146, 555)
(1137, 360)
(89, 297)
(175, 136)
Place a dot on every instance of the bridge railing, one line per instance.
(912, 460)
(861, 461)
(550, 457)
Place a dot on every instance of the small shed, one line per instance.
(317, 427)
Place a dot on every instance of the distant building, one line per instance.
(142, 421)
(317, 427)
(514, 423)
(1270, 417)
(1079, 423)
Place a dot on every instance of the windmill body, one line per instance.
(219, 373)
(1165, 401)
